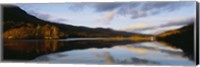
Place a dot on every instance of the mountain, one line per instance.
(17, 24)
(180, 38)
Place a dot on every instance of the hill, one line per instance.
(17, 24)
(181, 38)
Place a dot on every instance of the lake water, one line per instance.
(80, 51)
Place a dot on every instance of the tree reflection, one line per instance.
(187, 48)
(17, 49)
(30, 49)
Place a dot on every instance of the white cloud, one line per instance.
(46, 16)
(135, 9)
(107, 18)
(137, 26)
(158, 30)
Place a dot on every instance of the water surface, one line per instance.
(95, 52)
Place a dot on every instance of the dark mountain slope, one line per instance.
(181, 38)
(17, 24)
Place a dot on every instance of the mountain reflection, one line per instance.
(119, 52)
(29, 49)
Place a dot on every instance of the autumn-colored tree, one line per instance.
(54, 32)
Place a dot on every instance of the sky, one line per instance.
(137, 17)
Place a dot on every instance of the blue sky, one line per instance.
(139, 17)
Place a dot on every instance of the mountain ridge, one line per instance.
(18, 24)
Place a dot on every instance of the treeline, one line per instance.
(31, 31)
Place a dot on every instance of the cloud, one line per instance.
(77, 7)
(61, 19)
(183, 21)
(39, 15)
(107, 18)
(46, 17)
(139, 26)
(135, 9)
(102, 7)
(170, 6)
(156, 29)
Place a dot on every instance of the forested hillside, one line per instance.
(17, 24)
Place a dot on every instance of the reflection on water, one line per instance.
(29, 49)
(95, 51)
